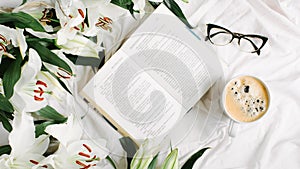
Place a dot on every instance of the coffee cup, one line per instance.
(245, 99)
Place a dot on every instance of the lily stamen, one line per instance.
(40, 91)
(36, 98)
(84, 155)
(34, 162)
(87, 147)
(47, 15)
(4, 40)
(39, 82)
(104, 23)
(80, 163)
(3, 43)
(86, 167)
(81, 13)
(2, 47)
(68, 76)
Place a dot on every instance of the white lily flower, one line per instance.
(13, 36)
(171, 162)
(73, 152)
(144, 156)
(140, 6)
(101, 15)
(65, 76)
(71, 14)
(81, 46)
(26, 150)
(33, 89)
(38, 10)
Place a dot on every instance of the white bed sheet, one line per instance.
(271, 143)
(274, 141)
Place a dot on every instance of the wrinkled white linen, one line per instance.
(273, 142)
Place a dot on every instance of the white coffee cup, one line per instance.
(244, 98)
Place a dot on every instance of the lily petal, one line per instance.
(70, 14)
(66, 133)
(81, 46)
(40, 144)
(30, 69)
(21, 42)
(22, 136)
(23, 88)
(140, 6)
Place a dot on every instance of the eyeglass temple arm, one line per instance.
(214, 34)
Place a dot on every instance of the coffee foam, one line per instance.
(246, 98)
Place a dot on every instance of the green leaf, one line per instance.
(5, 122)
(173, 6)
(191, 161)
(153, 163)
(5, 105)
(40, 128)
(6, 149)
(171, 162)
(11, 76)
(130, 147)
(58, 79)
(50, 113)
(24, 1)
(111, 161)
(5, 65)
(84, 61)
(48, 56)
(126, 4)
(21, 20)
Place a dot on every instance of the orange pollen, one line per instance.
(34, 162)
(39, 82)
(81, 13)
(3, 38)
(75, 27)
(107, 19)
(38, 98)
(2, 47)
(86, 167)
(80, 163)
(84, 155)
(87, 147)
(40, 91)
(65, 77)
(82, 24)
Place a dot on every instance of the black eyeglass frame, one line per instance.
(239, 36)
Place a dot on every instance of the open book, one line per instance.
(154, 79)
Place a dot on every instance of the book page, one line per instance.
(167, 50)
(158, 74)
(130, 98)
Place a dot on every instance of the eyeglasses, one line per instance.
(220, 36)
